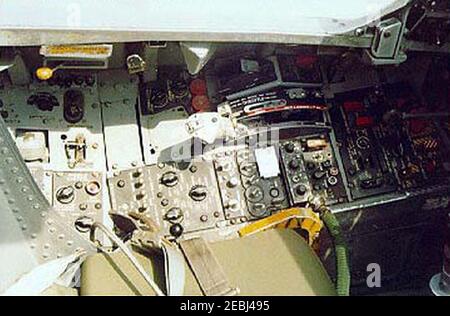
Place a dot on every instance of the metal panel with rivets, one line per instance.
(43, 229)
(118, 93)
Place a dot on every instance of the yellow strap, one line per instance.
(303, 218)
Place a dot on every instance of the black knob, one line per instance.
(294, 164)
(176, 230)
(289, 148)
(89, 81)
(73, 106)
(300, 190)
(78, 81)
(43, 101)
(327, 164)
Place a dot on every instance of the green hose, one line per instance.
(340, 246)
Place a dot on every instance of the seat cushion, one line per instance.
(274, 262)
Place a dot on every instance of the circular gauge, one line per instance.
(247, 169)
(179, 88)
(259, 210)
(159, 98)
(363, 142)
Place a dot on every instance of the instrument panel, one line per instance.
(91, 143)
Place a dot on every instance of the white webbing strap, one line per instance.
(207, 270)
(173, 269)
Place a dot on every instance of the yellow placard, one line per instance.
(80, 51)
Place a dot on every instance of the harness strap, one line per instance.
(207, 270)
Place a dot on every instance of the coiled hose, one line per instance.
(340, 247)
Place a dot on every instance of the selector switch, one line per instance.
(198, 193)
(174, 215)
(254, 194)
(73, 106)
(65, 195)
(301, 189)
(44, 101)
(274, 192)
(294, 164)
(327, 164)
(319, 174)
(332, 180)
(232, 205)
(289, 148)
(169, 179)
(233, 182)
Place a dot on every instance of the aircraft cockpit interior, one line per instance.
(200, 162)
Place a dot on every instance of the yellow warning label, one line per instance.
(86, 51)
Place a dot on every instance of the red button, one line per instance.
(198, 87)
(364, 121)
(306, 60)
(353, 106)
(200, 103)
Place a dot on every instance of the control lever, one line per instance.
(210, 126)
(76, 151)
(205, 126)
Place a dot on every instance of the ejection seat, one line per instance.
(273, 262)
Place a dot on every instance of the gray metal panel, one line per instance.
(39, 223)
(289, 21)
(16, 256)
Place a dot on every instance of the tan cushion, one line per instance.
(58, 290)
(275, 262)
